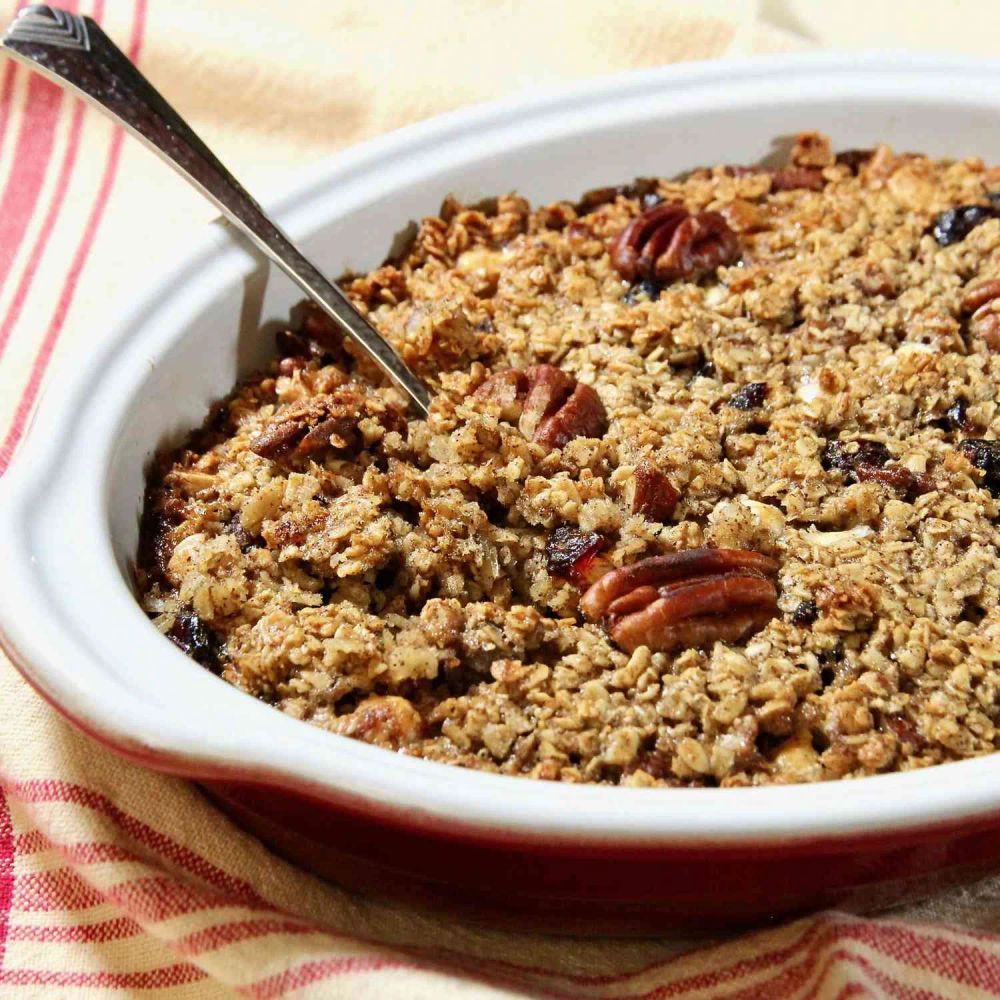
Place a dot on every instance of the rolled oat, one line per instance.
(815, 392)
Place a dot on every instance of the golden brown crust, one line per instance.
(808, 402)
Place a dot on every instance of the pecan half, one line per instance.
(581, 415)
(905, 731)
(653, 495)
(689, 598)
(548, 389)
(979, 293)
(549, 405)
(982, 299)
(666, 242)
(308, 426)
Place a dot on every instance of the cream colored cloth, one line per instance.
(273, 87)
(116, 881)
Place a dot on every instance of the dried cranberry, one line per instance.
(192, 636)
(953, 225)
(871, 453)
(155, 546)
(985, 456)
(650, 289)
(896, 477)
(316, 338)
(958, 416)
(805, 614)
(904, 731)
(590, 200)
(749, 397)
(570, 551)
(868, 462)
(641, 188)
(868, 453)
(291, 345)
(854, 159)
(656, 763)
(243, 539)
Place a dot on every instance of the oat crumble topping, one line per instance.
(792, 372)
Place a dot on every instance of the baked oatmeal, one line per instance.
(707, 495)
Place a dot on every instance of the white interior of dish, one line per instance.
(69, 511)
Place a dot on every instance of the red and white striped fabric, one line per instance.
(115, 881)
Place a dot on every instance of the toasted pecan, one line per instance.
(667, 242)
(308, 426)
(690, 598)
(549, 406)
(653, 496)
(982, 299)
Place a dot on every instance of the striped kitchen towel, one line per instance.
(115, 881)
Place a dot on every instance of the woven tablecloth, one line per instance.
(115, 881)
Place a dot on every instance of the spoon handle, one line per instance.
(75, 53)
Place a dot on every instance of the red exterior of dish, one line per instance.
(568, 887)
(605, 889)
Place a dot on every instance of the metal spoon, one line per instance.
(74, 53)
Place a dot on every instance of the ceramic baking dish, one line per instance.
(570, 858)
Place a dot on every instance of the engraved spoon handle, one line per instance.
(75, 53)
